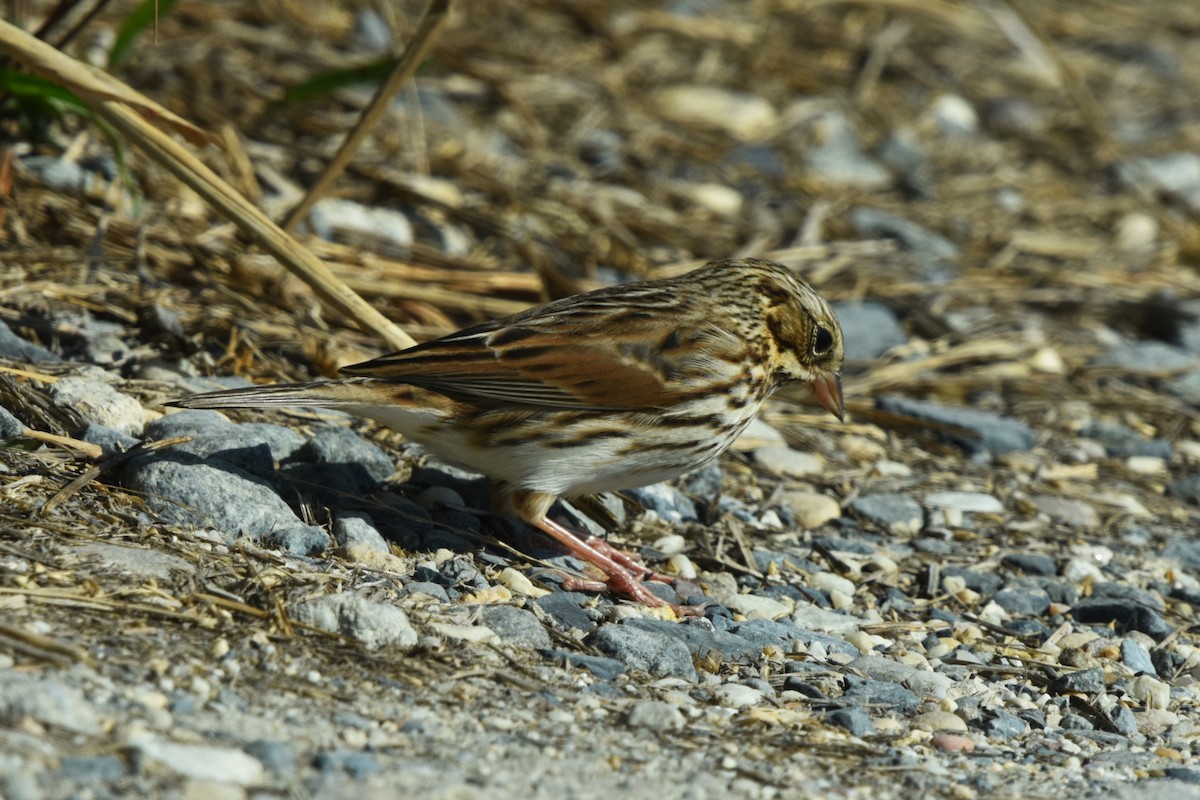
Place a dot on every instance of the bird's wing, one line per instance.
(552, 363)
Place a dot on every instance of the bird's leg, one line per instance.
(623, 573)
(620, 578)
(628, 560)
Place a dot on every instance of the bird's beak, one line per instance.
(828, 391)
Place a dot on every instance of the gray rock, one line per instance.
(871, 329)
(929, 685)
(836, 157)
(989, 433)
(189, 422)
(966, 502)
(657, 653)
(655, 715)
(875, 224)
(46, 700)
(342, 446)
(1122, 442)
(1185, 551)
(566, 610)
(1004, 725)
(203, 762)
(867, 692)
(606, 669)
(1087, 681)
(669, 503)
(100, 403)
(18, 349)
(80, 769)
(1031, 563)
(1176, 173)
(1123, 720)
(10, 426)
(1137, 657)
(140, 561)
(1023, 601)
(375, 625)
(516, 626)
(109, 439)
(183, 489)
(700, 639)
(854, 719)
(275, 756)
(355, 763)
(300, 539)
(895, 513)
(882, 669)
(355, 529)
(430, 589)
(1147, 356)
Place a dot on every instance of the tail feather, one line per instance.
(325, 394)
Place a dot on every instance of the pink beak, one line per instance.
(828, 391)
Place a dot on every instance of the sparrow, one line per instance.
(612, 389)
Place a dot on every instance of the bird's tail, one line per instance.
(324, 394)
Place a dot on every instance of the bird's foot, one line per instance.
(629, 561)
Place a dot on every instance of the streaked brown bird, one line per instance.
(613, 389)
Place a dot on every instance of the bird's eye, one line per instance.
(822, 342)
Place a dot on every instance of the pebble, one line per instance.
(966, 502)
(18, 349)
(870, 329)
(991, 434)
(202, 762)
(743, 116)
(355, 531)
(786, 462)
(98, 402)
(515, 626)
(658, 654)
(753, 606)
(834, 156)
(812, 618)
(670, 504)
(375, 625)
(951, 743)
(871, 223)
(735, 695)
(49, 701)
(939, 721)
(895, 513)
(854, 719)
(811, 510)
(655, 715)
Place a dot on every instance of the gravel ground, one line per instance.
(983, 585)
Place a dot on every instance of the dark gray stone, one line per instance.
(990, 434)
(606, 669)
(1186, 551)
(10, 426)
(342, 446)
(896, 513)
(1146, 357)
(874, 224)
(516, 626)
(1122, 442)
(354, 763)
(110, 439)
(189, 422)
(1004, 725)
(1025, 602)
(80, 769)
(669, 503)
(275, 756)
(566, 610)
(870, 328)
(856, 721)
(357, 529)
(1123, 720)
(18, 349)
(186, 490)
(1087, 681)
(430, 588)
(1031, 563)
(986, 583)
(703, 483)
(654, 652)
(300, 539)
(699, 638)
(1137, 658)
(868, 692)
(1075, 722)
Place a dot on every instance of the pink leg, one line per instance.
(620, 579)
(627, 560)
